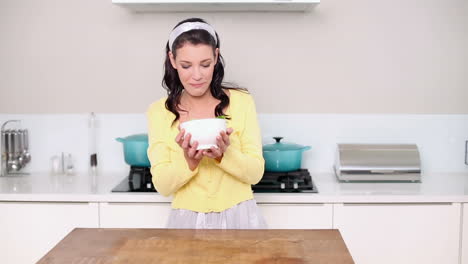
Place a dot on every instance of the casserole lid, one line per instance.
(134, 138)
(278, 146)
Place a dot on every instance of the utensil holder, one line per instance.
(14, 149)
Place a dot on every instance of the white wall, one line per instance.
(440, 138)
(361, 56)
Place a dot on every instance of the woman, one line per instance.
(211, 188)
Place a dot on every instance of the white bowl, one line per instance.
(204, 131)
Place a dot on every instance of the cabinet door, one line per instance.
(28, 230)
(464, 250)
(400, 233)
(297, 216)
(134, 215)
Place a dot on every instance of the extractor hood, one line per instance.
(217, 5)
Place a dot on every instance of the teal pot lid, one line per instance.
(134, 138)
(278, 146)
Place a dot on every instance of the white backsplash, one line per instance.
(440, 138)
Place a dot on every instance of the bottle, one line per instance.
(93, 159)
(69, 165)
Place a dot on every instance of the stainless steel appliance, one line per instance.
(377, 162)
(14, 149)
(140, 180)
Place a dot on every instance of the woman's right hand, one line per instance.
(191, 154)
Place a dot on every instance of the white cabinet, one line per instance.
(134, 215)
(400, 233)
(297, 216)
(28, 230)
(464, 242)
(374, 233)
(155, 215)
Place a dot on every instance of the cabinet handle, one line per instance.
(134, 203)
(47, 202)
(294, 204)
(399, 204)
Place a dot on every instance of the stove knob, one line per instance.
(283, 186)
(295, 185)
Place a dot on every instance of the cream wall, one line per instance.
(361, 56)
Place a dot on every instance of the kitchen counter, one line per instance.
(97, 245)
(436, 188)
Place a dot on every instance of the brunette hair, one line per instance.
(172, 83)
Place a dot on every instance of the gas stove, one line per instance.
(138, 180)
(290, 182)
(300, 181)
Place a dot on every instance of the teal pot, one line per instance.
(135, 147)
(283, 157)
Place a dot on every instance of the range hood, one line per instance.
(217, 5)
(377, 162)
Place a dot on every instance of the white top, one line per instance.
(435, 188)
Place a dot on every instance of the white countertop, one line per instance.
(41, 187)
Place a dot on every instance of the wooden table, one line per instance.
(168, 246)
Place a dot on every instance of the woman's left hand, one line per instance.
(223, 143)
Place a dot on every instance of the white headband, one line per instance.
(187, 26)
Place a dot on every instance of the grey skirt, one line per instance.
(245, 215)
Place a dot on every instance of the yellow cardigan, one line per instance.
(213, 186)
